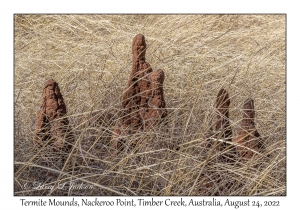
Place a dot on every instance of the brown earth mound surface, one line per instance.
(137, 91)
(156, 102)
(248, 139)
(143, 96)
(222, 105)
(223, 128)
(50, 120)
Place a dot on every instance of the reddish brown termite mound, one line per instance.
(248, 139)
(223, 131)
(137, 92)
(222, 105)
(156, 102)
(222, 128)
(50, 122)
(144, 91)
(143, 96)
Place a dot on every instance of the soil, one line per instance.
(248, 137)
(222, 122)
(51, 123)
(143, 97)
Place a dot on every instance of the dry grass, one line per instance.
(90, 58)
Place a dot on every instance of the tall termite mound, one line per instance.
(248, 139)
(156, 102)
(223, 128)
(143, 97)
(51, 123)
(222, 122)
(136, 96)
(223, 135)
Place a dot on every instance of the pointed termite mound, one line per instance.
(143, 95)
(51, 123)
(156, 103)
(248, 139)
(137, 91)
(222, 105)
(222, 127)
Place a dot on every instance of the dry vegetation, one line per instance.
(90, 58)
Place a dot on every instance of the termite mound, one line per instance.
(156, 103)
(222, 122)
(248, 139)
(143, 98)
(51, 123)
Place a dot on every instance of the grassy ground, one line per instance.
(90, 58)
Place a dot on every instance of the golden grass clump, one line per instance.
(90, 57)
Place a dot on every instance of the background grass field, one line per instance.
(90, 58)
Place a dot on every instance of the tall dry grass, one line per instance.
(90, 58)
